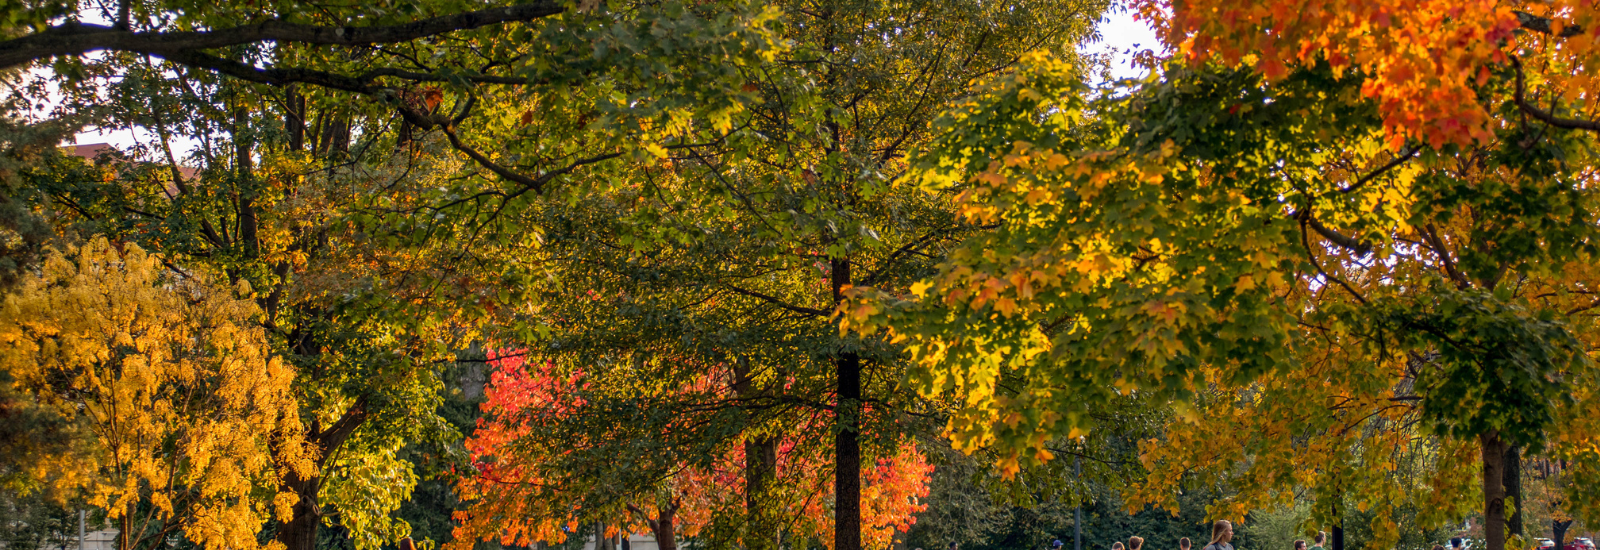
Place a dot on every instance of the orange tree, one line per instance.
(557, 449)
(1271, 244)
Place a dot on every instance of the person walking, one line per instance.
(1301, 545)
(1318, 539)
(1135, 543)
(1221, 533)
(1116, 546)
(1183, 543)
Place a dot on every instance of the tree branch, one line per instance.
(1349, 243)
(1542, 25)
(1385, 168)
(1546, 116)
(335, 436)
(777, 302)
(80, 38)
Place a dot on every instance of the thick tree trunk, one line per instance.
(300, 532)
(666, 534)
(1337, 535)
(661, 525)
(847, 441)
(1558, 532)
(1494, 504)
(847, 459)
(1513, 484)
(601, 541)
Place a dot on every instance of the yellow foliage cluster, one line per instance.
(191, 416)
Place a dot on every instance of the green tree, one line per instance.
(336, 160)
(735, 254)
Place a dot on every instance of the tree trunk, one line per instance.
(123, 538)
(1558, 532)
(294, 120)
(761, 467)
(244, 168)
(601, 541)
(847, 441)
(1336, 534)
(666, 533)
(1513, 484)
(300, 532)
(1494, 502)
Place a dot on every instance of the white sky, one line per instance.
(1121, 36)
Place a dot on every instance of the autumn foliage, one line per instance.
(191, 417)
(1425, 63)
(527, 487)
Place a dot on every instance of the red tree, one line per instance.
(552, 453)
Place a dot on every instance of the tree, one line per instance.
(1427, 68)
(558, 450)
(191, 417)
(311, 196)
(1226, 229)
(736, 252)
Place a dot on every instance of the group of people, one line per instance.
(1221, 539)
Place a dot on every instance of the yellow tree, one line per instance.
(191, 417)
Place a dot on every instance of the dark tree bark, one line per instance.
(244, 170)
(662, 525)
(1494, 502)
(1336, 534)
(1558, 532)
(761, 467)
(847, 441)
(294, 120)
(81, 38)
(300, 532)
(1513, 484)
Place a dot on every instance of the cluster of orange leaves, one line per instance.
(505, 487)
(1423, 60)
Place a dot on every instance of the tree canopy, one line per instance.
(763, 266)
